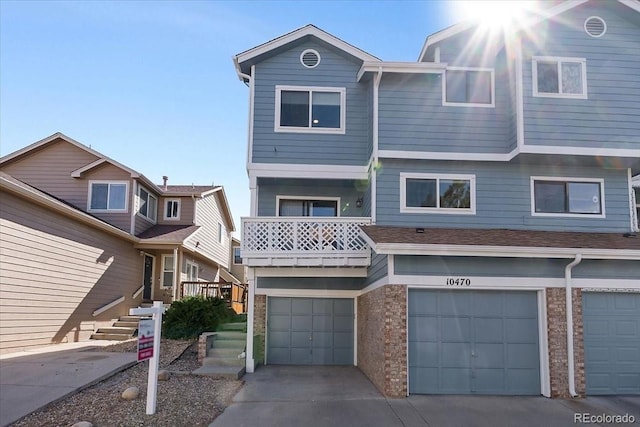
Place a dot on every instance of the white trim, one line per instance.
(137, 293)
(166, 210)
(633, 4)
(283, 170)
(446, 155)
(604, 24)
(163, 269)
(252, 96)
(481, 282)
(543, 338)
(134, 188)
(249, 360)
(109, 182)
(298, 34)
(309, 272)
(567, 180)
(307, 293)
(634, 203)
(277, 127)
(400, 67)
(579, 151)
(597, 283)
(519, 96)
(280, 197)
(437, 177)
(558, 60)
(492, 104)
(139, 205)
(355, 331)
(108, 306)
(315, 52)
(78, 172)
(374, 193)
(383, 281)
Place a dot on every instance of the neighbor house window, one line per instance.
(167, 270)
(559, 77)
(108, 196)
(219, 233)
(310, 109)
(435, 193)
(559, 197)
(191, 271)
(468, 87)
(322, 206)
(237, 259)
(172, 209)
(148, 204)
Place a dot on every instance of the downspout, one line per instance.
(569, 310)
(374, 163)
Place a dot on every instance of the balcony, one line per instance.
(304, 242)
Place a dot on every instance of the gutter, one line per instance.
(569, 311)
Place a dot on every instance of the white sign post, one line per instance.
(154, 362)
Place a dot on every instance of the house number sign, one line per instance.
(458, 281)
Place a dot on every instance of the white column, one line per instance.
(175, 273)
(250, 362)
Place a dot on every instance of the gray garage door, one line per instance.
(310, 331)
(473, 342)
(611, 342)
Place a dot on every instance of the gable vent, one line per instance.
(310, 58)
(595, 26)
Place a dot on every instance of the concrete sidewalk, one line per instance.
(283, 396)
(32, 379)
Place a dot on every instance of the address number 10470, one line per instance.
(458, 281)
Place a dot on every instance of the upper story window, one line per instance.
(567, 196)
(559, 77)
(310, 109)
(237, 259)
(172, 209)
(321, 206)
(148, 207)
(108, 196)
(468, 87)
(436, 193)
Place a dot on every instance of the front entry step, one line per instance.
(225, 352)
(125, 328)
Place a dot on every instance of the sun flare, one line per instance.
(493, 13)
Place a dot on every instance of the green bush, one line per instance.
(191, 316)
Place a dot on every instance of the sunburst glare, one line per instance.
(494, 14)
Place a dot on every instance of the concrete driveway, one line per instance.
(342, 396)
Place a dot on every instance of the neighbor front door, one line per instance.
(148, 277)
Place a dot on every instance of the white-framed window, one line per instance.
(220, 230)
(167, 270)
(172, 209)
(310, 109)
(437, 193)
(307, 206)
(237, 258)
(569, 197)
(108, 196)
(191, 270)
(147, 204)
(468, 87)
(557, 77)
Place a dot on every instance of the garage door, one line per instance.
(473, 342)
(310, 331)
(611, 342)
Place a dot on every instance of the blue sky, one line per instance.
(152, 84)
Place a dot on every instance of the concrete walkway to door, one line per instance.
(288, 396)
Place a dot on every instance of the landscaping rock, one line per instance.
(82, 424)
(131, 393)
(163, 375)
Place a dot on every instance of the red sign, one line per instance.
(145, 339)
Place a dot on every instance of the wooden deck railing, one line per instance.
(234, 294)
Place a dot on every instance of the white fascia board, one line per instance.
(633, 4)
(307, 293)
(441, 155)
(282, 170)
(78, 172)
(401, 67)
(502, 251)
(579, 151)
(309, 272)
(308, 30)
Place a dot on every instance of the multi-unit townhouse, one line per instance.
(84, 238)
(462, 224)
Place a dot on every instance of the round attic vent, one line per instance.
(595, 26)
(310, 58)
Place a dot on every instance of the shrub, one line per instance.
(191, 316)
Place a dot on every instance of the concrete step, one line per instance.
(229, 344)
(130, 318)
(126, 324)
(237, 326)
(223, 361)
(111, 337)
(230, 335)
(224, 352)
(114, 330)
(232, 372)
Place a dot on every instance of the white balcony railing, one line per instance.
(304, 241)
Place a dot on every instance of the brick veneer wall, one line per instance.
(557, 334)
(382, 338)
(259, 322)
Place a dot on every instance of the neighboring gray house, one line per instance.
(423, 220)
(84, 238)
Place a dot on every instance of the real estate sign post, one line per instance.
(149, 348)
